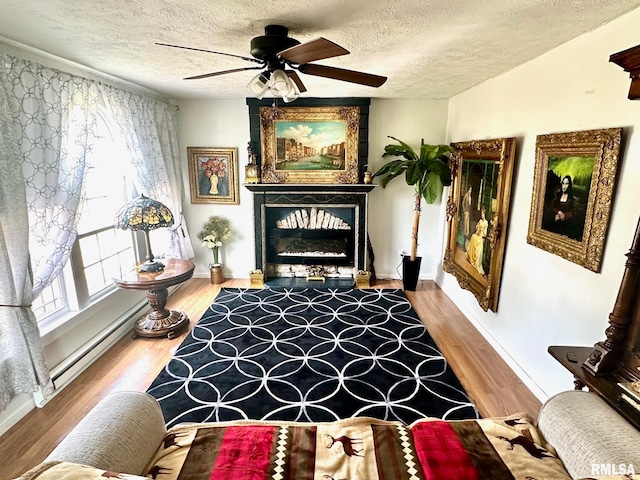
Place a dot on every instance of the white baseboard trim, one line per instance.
(64, 373)
(19, 407)
(396, 276)
(539, 393)
(227, 275)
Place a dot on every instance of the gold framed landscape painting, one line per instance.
(478, 212)
(309, 145)
(574, 180)
(213, 175)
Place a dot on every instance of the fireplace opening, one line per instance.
(310, 235)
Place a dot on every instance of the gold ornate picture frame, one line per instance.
(309, 145)
(478, 213)
(213, 175)
(573, 186)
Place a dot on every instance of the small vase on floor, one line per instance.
(217, 273)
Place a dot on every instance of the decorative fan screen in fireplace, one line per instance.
(310, 235)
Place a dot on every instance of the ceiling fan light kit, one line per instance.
(259, 85)
(277, 83)
(276, 51)
(292, 92)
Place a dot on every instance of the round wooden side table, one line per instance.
(160, 321)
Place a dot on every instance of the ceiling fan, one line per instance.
(280, 56)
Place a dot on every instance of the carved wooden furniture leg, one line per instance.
(160, 321)
(606, 355)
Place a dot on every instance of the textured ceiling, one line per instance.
(427, 48)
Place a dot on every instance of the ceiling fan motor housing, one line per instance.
(267, 46)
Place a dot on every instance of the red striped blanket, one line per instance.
(358, 448)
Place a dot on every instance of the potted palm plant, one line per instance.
(428, 172)
(215, 232)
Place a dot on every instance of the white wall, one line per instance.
(391, 208)
(544, 299)
(218, 123)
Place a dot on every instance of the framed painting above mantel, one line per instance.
(340, 123)
(309, 145)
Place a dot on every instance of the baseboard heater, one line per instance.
(65, 372)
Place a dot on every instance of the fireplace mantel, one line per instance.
(309, 187)
(345, 201)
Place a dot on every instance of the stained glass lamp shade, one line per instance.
(145, 214)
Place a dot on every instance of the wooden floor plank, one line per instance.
(133, 364)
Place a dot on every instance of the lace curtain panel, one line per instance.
(55, 119)
(22, 363)
(48, 126)
(150, 130)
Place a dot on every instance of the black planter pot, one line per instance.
(410, 271)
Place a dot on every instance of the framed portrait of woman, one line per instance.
(213, 175)
(478, 213)
(574, 180)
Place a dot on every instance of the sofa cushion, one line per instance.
(55, 470)
(121, 433)
(362, 448)
(587, 434)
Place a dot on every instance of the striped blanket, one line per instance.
(358, 448)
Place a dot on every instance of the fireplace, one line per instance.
(310, 233)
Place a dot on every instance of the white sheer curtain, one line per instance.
(23, 367)
(55, 121)
(47, 125)
(150, 130)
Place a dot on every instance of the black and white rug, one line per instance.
(309, 355)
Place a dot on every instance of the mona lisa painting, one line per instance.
(573, 189)
(213, 175)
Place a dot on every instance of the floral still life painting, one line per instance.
(213, 175)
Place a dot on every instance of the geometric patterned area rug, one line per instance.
(309, 355)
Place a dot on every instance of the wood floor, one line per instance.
(133, 365)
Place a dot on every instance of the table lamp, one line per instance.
(144, 213)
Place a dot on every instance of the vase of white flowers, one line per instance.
(215, 233)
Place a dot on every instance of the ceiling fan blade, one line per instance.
(248, 59)
(296, 79)
(312, 51)
(343, 74)
(214, 74)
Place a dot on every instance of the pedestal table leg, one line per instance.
(160, 321)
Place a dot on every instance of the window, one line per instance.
(104, 252)
(51, 300)
(101, 251)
